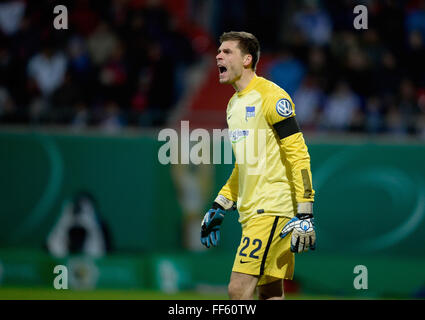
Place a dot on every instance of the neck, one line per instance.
(244, 80)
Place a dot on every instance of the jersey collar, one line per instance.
(250, 86)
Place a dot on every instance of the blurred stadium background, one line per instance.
(80, 112)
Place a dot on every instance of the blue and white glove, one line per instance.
(303, 232)
(210, 226)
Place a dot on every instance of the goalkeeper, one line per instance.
(274, 195)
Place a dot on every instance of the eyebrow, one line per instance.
(225, 50)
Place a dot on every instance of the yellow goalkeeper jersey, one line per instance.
(272, 169)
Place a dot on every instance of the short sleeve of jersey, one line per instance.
(278, 106)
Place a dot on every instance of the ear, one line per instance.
(247, 60)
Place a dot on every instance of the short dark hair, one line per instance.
(247, 43)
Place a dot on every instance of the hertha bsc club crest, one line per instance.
(250, 112)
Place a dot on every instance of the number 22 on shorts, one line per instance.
(257, 246)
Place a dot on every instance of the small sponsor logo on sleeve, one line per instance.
(284, 108)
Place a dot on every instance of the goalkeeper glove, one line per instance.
(303, 232)
(210, 226)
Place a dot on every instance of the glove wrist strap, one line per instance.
(303, 216)
(224, 202)
(305, 208)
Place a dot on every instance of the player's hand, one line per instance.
(303, 232)
(210, 226)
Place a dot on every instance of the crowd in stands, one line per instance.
(348, 80)
(123, 61)
(116, 65)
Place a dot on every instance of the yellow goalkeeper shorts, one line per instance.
(262, 252)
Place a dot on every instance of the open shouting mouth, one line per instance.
(222, 70)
